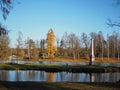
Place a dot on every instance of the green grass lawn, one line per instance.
(59, 68)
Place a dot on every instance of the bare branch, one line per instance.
(112, 24)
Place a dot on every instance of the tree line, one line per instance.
(68, 46)
(79, 46)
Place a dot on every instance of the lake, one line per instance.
(41, 76)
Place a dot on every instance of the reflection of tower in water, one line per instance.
(92, 77)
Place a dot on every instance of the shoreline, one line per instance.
(61, 59)
(61, 68)
(97, 60)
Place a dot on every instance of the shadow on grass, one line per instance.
(57, 86)
(105, 84)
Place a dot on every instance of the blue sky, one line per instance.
(35, 17)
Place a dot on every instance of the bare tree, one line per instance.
(4, 46)
(4, 43)
(99, 46)
(35, 53)
(58, 46)
(19, 49)
(118, 45)
(42, 44)
(30, 47)
(108, 46)
(74, 45)
(85, 41)
(64, 44)
(113, 24)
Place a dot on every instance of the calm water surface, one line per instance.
(40, 76)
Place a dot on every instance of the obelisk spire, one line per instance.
(92, 58)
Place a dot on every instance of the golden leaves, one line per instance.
(51, 48)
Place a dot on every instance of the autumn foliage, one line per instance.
(51, 48)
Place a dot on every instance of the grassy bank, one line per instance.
(57, 86)
(110, 60)
(59, 68)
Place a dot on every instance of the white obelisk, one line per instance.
(92, 58)
(92, 50)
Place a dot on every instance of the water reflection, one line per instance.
(29, 75)
(51, 77)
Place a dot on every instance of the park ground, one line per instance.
(4, 85)
(99, 60)
(57, 86)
